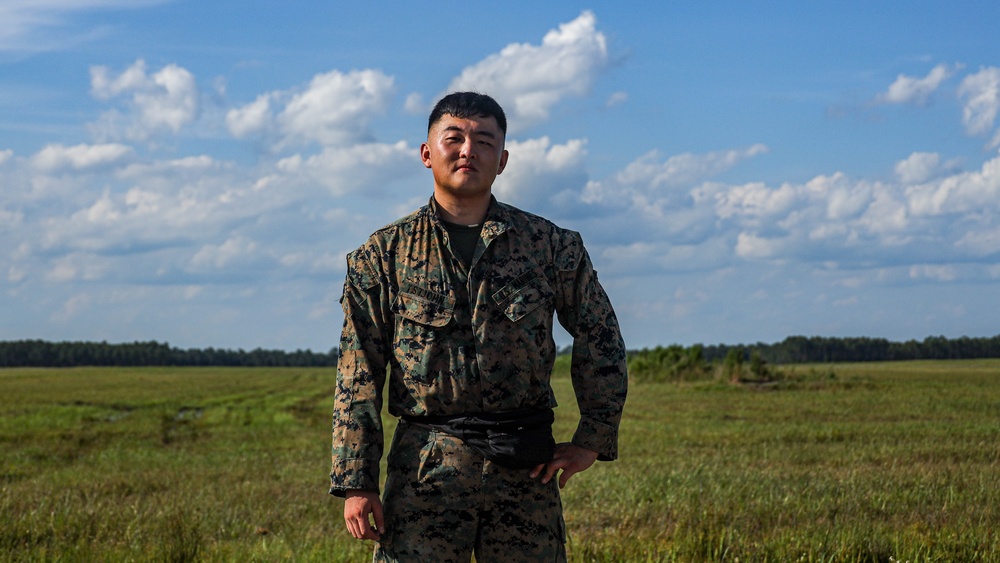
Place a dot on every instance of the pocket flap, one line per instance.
(523, 301)
(436, 312)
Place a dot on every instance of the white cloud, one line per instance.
(5, 155)
(538, 170)
(756, 200)
(984, 242)
(164, 101)
(529, 80)
(910, 90)
(251, 118)
(53, 158)
(922, 167)
(934, 210)
(616, 99)
(918, 167)
(981, 95)
(234, 249)
(844, 199)
(415, 104)
(752, 246)
(335, 109)
(652, 174)
(351, 169)
(965, 192)
(75, 266)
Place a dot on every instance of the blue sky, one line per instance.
(194, 172)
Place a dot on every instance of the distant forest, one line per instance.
(818, 349)
(40, 353)
(792, 350)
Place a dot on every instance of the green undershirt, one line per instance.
(464, 239)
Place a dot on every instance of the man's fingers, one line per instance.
(359, 507)
(362, 530)
(551, 469)
(352, 527)
(570, 459)
(379, 522)
(564, 477)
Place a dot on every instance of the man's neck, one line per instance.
(462, 211)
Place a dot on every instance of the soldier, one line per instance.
(455, 304)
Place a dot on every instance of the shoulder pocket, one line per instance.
(424, 307)
(360, 272)
(522, 296)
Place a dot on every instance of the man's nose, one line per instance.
(468, 149)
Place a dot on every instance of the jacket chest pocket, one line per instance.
(433, 311)
(526, 294)
(420, 342)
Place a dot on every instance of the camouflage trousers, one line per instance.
(444, 501)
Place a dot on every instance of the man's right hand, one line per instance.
(358, 505)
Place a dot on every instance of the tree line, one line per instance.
(755, 363)
(792, 350)
(818, 349)
(40, 353)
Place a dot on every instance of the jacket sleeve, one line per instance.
(599, 372)
(357, 424)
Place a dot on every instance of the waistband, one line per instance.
(517, 420)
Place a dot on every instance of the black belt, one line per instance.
(518, 439)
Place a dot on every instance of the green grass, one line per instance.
(879, 462)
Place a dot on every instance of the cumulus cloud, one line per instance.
(980, 93)
(911, 90)
(677, 219)
(529, 80)
(54, 158)
(164, 101)
(335, 109)
(251, 118)
(350, 170)
(964, 192)
(652, 175)
(921, 167)
(539, 171)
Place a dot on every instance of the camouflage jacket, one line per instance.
(454, 340)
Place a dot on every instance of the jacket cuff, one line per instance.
(599, 437)
(349, 474)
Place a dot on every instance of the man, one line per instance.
(456, 302)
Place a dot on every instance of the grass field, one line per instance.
(880, 462)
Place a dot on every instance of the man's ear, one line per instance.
(425, 154)
(503, 162)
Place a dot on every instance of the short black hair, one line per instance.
(465, 105)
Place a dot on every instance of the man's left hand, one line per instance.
(571, 459)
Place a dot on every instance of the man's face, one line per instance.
(465, 155)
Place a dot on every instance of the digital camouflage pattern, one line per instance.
(455, 340)
(458, 341)
(443, 501)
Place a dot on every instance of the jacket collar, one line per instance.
(497, 217)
